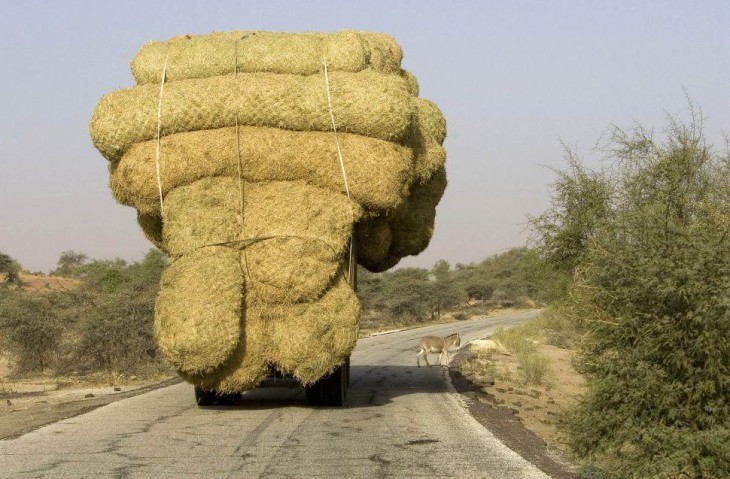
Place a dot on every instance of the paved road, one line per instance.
(402, 421)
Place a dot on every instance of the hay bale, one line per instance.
(372, 240)
(411, 81)
(200, 56)
(428, 133)
(310, 339)
(412, 223)
(194, 333)
(247, 366)
(384, 265)
(378, 172)
(307, 340)
(300, 232)
(365, 103)
(151, 225)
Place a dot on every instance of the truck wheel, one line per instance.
(228, 399)
(204, 398)
(329, 391)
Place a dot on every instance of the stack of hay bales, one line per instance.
(227, 150)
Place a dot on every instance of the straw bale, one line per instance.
(384, 265)
(372, 240)
(247, 366)
(198, 311)
(200, 56)
(411, 81)
(412, 223)
(152, 228)
(366, 103)
(378, 172)
(428, 134)
(294, 235)
(307, 340)
(431, 120)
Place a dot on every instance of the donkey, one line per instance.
(440, 346)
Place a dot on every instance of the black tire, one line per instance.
(227, 399)
(329, 391)
(204, 398)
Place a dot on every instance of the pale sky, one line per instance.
(512, 79)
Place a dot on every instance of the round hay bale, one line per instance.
(293, 237)
(366, 103)
(378, 172)
(215, 54)
(372, 240)
(152, 228)
(412, 223)
(308, 340)
(195, 334)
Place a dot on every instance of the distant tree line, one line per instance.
(516, 277)
(105, 322)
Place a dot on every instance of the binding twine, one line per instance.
(245, 242)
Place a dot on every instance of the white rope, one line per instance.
(334, 128)
(159, 134)
(342, 161)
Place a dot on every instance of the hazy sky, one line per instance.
(511, 77)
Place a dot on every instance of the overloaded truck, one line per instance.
(268, 166)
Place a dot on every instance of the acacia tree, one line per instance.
(10, 267)
(68, 262)
(652, 287)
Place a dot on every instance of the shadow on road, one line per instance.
(370, 386)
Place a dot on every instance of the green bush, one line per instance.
(534, 367)
(103, 324)
(31, 328)
(651, 295)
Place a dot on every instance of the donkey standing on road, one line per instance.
(436, 345)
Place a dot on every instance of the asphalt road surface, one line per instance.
(401, 421)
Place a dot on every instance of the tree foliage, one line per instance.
(68, 262)
(652, 292)
(10, 268)
(103, 324)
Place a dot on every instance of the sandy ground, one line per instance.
(36, 282)
(29, 404)
(523, 416)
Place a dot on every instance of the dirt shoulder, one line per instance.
(26, 405)
(522, 416)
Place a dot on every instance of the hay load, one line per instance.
(254, 159)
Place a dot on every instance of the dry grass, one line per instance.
(307, 340)
(200, 56)
(412, 223)
(378, 172)
(40, 283)
(198, 312)
(366, 103)
(304, 231)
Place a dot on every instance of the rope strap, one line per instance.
(159, 134)
(342, 160)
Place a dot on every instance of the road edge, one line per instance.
(504, 426)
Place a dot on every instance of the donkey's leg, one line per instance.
(421, 352)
